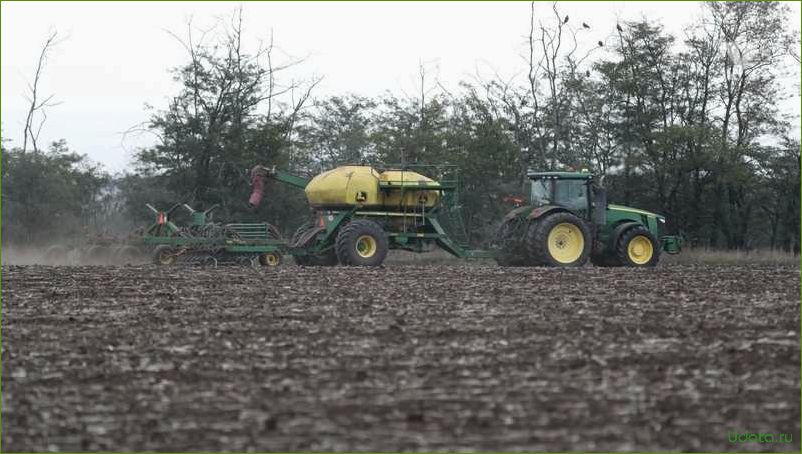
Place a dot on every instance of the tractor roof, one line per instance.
(560, 175)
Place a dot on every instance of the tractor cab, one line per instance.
(571, 190)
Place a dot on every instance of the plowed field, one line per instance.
(398, 358)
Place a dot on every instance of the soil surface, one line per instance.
(399, 358)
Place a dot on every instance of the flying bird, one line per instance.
(601, 44)
(566, 20)
(585, 25)
(618, 26)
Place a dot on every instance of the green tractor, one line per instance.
(568, 222)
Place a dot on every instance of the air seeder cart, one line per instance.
(361, 212)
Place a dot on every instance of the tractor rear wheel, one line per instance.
(362, 243)
(508, 241)
(637, 247)
(561, 239)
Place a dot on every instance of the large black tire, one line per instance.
(328, 258)
(637, 247)
(559, 239)
(163, 255)
(508, 240)
(299, 232)
(361, 243)
(302, 260)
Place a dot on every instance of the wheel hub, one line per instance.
(566, 243)
(640, 250)
(366, 246)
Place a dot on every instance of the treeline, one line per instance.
(685, 126)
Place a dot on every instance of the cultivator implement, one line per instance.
(207, 256)
(209, 243)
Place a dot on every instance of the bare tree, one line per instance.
(37, 106)
(554, 57)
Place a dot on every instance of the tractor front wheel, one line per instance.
(361, 243)
(560, 239)
(637, 247)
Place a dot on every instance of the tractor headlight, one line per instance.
(662, 220)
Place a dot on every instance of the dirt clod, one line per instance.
(400, 358)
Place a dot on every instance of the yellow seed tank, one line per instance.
(391, 190)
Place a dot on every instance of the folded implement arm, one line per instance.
(260, 173)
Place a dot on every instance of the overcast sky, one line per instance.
(114, 57)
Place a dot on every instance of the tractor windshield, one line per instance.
(541, 192)
(569, 192)
(572, 194)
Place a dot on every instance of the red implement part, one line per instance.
(258, 183)
(516, 201)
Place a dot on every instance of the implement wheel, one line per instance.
(362, 243)
(270, 259)
(560, 239)
(164, 255)
(328, 258)
(637, 247)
